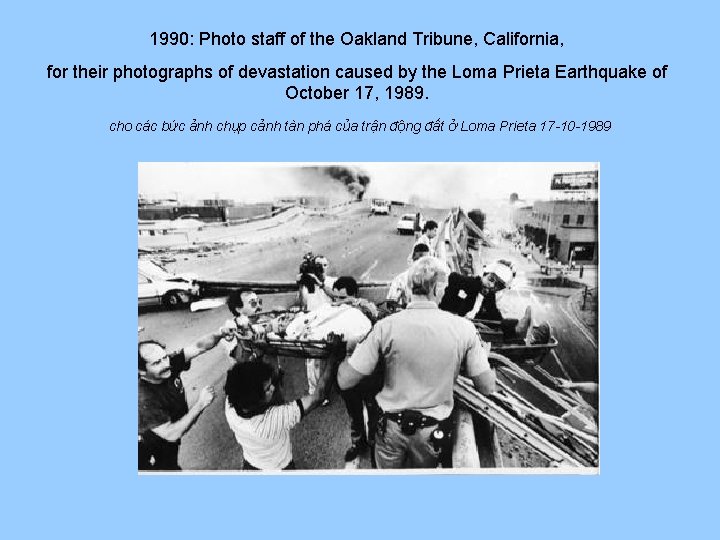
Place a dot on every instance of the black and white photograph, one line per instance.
(368, 318)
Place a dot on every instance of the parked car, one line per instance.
(409, 223)
(156, 285)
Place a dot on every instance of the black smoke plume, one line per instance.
(355, 182)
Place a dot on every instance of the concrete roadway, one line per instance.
(356, 244)
(367, 248)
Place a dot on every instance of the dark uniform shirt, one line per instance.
(159, 404)
(488, 308)
(460, 294)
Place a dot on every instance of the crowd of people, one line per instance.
(394, 369)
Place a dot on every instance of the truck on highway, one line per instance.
(410, 223)
(380, 206)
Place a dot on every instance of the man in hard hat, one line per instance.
(477, 296)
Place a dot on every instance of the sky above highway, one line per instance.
(446, 184)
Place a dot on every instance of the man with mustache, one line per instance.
(163, 413)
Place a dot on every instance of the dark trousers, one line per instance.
(397, 450)
(363, 395)
(157, 454)
(355, 400)
(248, 467)
(508, 327)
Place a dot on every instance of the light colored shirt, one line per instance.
(265, 438)
(343, 320)
(424, 349)
(422, 239)
(399, 290)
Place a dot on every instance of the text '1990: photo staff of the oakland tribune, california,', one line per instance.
(360, 318)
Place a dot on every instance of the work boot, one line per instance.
(356, 448)
(540, 334)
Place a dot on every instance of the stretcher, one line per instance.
(517, 351)
(528, 354)
(333, 344)
(318, 335)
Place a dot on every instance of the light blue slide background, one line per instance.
(70, 189)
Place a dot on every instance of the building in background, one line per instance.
(567, 225)
(216, 202)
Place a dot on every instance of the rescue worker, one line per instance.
(319, 317)
(464, 294)
(476, 297)
(424, 349)
(260, 422)
(429, 232)
(361, 397)
(242, 304)
(163, 413)
(398, 291)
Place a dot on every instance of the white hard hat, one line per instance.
(504, 270)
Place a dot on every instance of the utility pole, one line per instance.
(547, 235)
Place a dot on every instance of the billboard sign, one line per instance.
(578, 186)
(575, 181)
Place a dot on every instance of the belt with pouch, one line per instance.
(410, 421)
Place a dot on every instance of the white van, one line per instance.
(380, 206)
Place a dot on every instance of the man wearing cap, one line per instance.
(424, 349)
